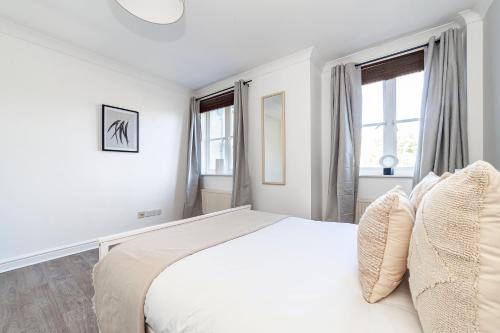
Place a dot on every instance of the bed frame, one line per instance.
(106, 243)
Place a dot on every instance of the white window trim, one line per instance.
(228, 171)
(390, 134)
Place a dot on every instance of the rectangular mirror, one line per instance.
(273, 139)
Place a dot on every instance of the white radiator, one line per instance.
(215, 200)
(361, 206)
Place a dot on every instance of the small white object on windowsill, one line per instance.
(388, 163)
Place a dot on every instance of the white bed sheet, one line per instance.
(294, 276)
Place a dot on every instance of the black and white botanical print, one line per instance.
(120, 129)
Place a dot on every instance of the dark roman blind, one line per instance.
(393, 67)
(217, 102)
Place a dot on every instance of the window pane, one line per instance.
(203, 157)
(217, 123)
(230, 161)
(373, 102)
(372, 146)
(407, 143)
(231, 119)
(216, 152)
(204, 142)
(409, 95)
(203, 126)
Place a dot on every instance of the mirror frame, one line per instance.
(283, 140)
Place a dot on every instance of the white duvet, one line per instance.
(294, 276)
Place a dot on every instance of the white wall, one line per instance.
(56, 185)
(492, 85)
(475, 93)
(292, 75)
(316, 145)
(217, 182)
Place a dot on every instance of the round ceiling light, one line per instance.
(155, 11)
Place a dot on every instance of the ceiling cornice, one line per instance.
(390, 46)
(469, 16)
(482, 7)
(15, 30)
(273, 66)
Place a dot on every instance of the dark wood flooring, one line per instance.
(54, 296)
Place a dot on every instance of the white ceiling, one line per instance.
(219, 38)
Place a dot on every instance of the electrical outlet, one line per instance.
(148, 213)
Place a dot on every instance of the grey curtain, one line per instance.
(345, 148)
(241, 176)
(192, 202)
(443, 127)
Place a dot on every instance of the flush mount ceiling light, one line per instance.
(155, 11)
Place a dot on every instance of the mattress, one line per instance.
(294, 276)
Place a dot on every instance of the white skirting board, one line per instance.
(46, 255)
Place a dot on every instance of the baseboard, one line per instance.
(46, 255)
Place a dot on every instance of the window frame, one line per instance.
(228, 136)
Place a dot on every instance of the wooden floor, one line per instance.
(54, 296)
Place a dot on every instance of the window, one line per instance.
(217, 114)
(217, 141)
(392, 96)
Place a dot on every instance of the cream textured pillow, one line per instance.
(425, 186)
(454, 257)
(383, 238)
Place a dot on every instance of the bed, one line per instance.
(294, 275)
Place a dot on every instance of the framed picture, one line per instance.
(120, 129)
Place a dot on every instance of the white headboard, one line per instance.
(106, 243)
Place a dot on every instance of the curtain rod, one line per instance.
(394, 54)
(220, 91)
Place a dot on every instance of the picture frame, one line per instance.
(120, 129)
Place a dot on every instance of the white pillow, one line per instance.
(383, 238)
(454, 259)
(425, 185)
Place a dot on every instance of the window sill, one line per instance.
(386, 176)
(372, 172)
(217, 175)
